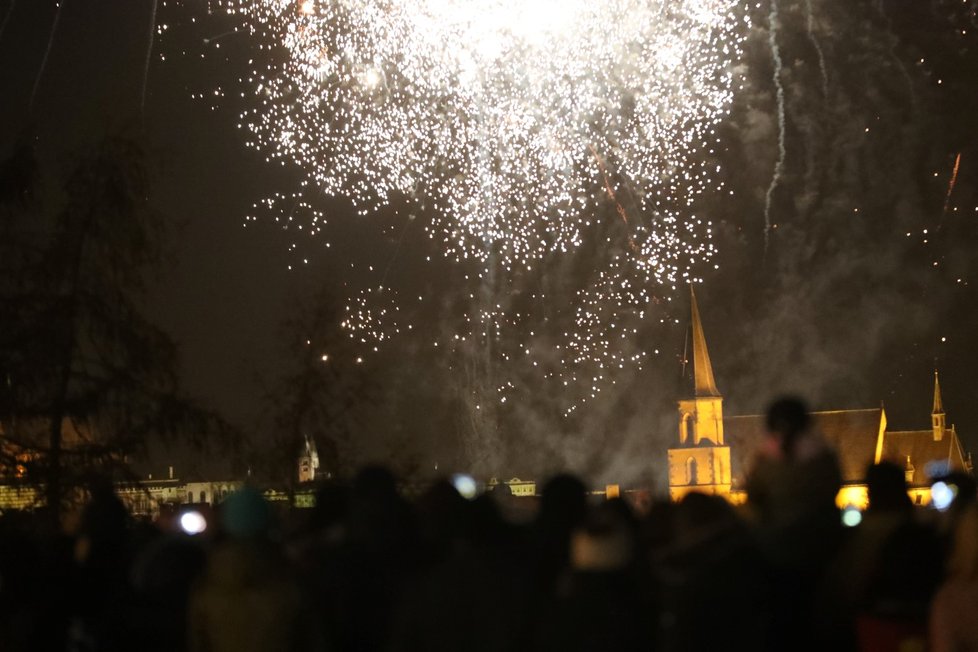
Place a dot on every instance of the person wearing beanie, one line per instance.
(791, 492)
(248, 599)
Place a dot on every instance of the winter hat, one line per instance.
(245, 514)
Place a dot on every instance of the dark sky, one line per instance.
(842, 305)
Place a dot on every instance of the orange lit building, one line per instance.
(714, 451)
(23, 445)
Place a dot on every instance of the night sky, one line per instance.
(863, 285)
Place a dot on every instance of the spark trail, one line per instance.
(951, 184)
(47, 52)
(6, 18)
(149, 54)
(810, 26)
(891, 50)
(613, 196)
(215, 39)
(773, 20)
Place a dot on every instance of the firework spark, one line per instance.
(149, 54)
(951, 183)
(47, 51)
(774, 24)
(810, 27)
(493, 113)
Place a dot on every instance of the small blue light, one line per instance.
(465, 485)
(942, 495)
(851, 516)
(193, 522)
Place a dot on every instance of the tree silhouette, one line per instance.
(319, 392)
(87, 377)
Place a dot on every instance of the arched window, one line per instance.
(691, 472)
(203, 496)
(190, 496)
(685, 428)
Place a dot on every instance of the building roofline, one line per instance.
(761, 416)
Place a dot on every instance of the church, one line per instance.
(714, 452)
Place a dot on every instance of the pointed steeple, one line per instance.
(308, 461)
(702, 369)
(937, 417)
(701, 459)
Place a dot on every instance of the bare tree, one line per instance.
(319, 393)
(87, 377)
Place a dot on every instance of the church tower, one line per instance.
(701, 460)
(308, 461)
(938, 419)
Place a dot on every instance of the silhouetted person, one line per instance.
(514, 509)
(792, 487)
(360, 579)
(163, 574)
(908, 564)
(332, 509)
(442, 515)
(791, 490)
(963, 485)
(23, 587)
(103, 594)
(897, 567)
(474, 595)
(713, 567)
(327, 526)
(563, 505)
(659, 528)
(905, 577)
(889, 509)
(886, 488)
(954, 612)
(854, 587)
(380, 519)
(248, 600)
(600, 602)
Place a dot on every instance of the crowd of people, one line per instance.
(368, 570)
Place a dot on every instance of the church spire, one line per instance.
(937, 416)
(702, 369)
(701, 460)
(308, 460)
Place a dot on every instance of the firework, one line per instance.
(515, 123)
(149, 54)
(951, 183)
(774, 24)
(810, 27)
(47, 50)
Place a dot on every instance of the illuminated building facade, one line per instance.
(308, 461)
(516, 486)
(702, 461)
(714, 452)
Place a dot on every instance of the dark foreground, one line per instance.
(367, 570)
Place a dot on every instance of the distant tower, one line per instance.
(701, 461)
(308, 461)
(937, 418)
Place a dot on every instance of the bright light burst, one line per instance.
(498, 111)
(518, 124)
